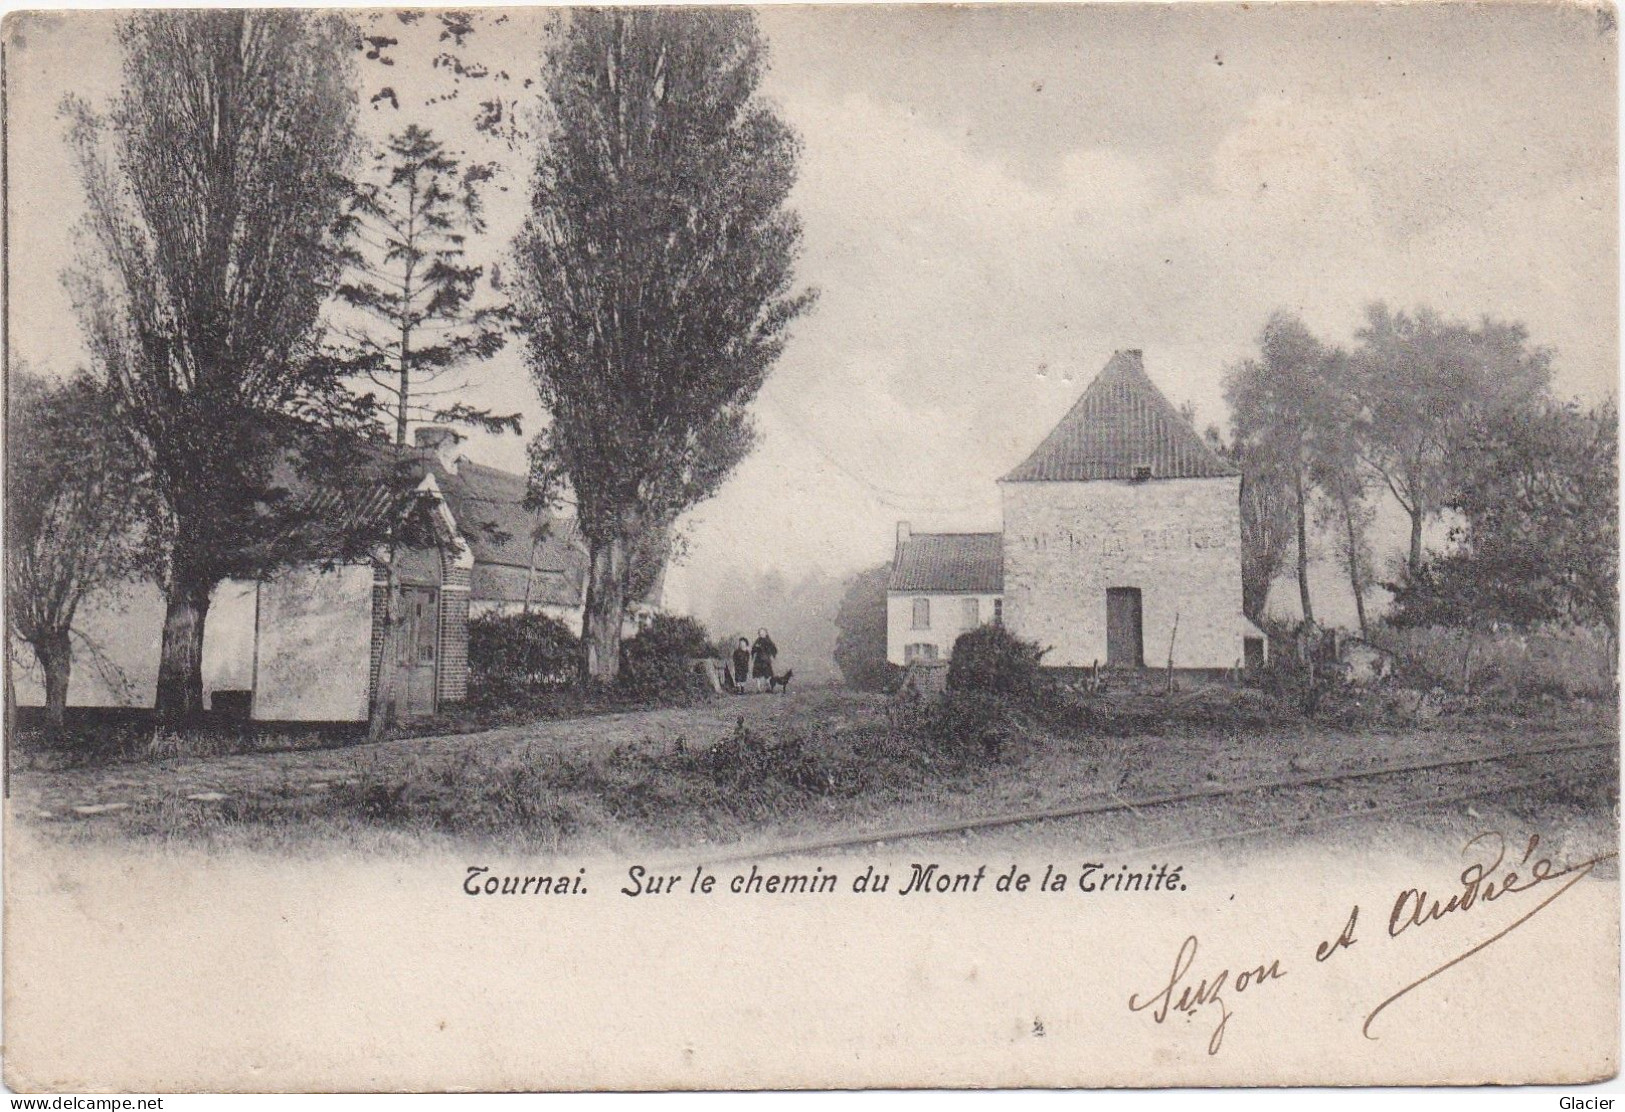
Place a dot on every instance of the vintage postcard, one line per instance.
(703, 547)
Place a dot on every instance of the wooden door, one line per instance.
(416, 655)
(1125, 639)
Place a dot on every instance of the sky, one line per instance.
(996, 198)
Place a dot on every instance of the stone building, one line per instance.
(1121, 543)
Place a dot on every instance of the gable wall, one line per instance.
(1178, 540)
(314, 625)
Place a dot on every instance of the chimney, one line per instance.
(442, 442)
(902, 536)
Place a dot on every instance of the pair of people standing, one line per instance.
(753, 663)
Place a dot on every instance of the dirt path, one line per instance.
(86, 792)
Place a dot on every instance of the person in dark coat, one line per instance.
(762, 654)
(739, 673)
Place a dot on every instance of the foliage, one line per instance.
(655, 661)
(1342, 484)
(1281, 406)
(215, 192)
(1423, 382)
(409, 277)
(458, 35)
(992, 660)
(72, 500)
(512, 656)
(1543, 663)
(860, 645)
(967, 721)
(654, 274)
(1537, 492)
(1268, 521)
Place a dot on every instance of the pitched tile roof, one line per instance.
(1120, 425)
(340, 498)
(968, 562)
(489, 507)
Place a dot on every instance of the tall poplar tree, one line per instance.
(654, 275)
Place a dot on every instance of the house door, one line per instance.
(1125, 641)
(420, 634)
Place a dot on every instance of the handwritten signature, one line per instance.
(1205, 993)
(1482, 883)
(1487, 879)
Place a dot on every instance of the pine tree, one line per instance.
(419, 324)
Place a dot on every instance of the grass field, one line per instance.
(744, 771)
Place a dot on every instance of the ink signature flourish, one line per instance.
(1482, 883)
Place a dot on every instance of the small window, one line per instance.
(922, 613)
(973, 613)
(1142, 473)
(427, 627)
(921, 651)
(998, 611)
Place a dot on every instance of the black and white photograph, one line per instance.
(811, 547)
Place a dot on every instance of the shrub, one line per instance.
(511, 656)
(993, 661)
(1549, 661)
(969, 720)
(655, 661)
(860, 646)
(747, 762)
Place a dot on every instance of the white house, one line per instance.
(941, 584)
(1121, 544)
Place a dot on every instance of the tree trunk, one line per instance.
(180, 666)
(402, 411)
(601, 621)
(1303, 554)
(1355, 579)
(381, 715)
(1413, 562)
(55, 655)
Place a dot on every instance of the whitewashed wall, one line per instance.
(315, 640)
(315, 645)
(947, 621)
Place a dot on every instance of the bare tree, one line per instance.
(72, 501)
(215, 187)
(654, 274)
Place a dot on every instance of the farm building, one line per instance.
(525, 560)
(309, 643)
(1121, 544)
(312, 642)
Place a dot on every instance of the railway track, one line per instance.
(1328, 793)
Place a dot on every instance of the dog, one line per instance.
(780, 683)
